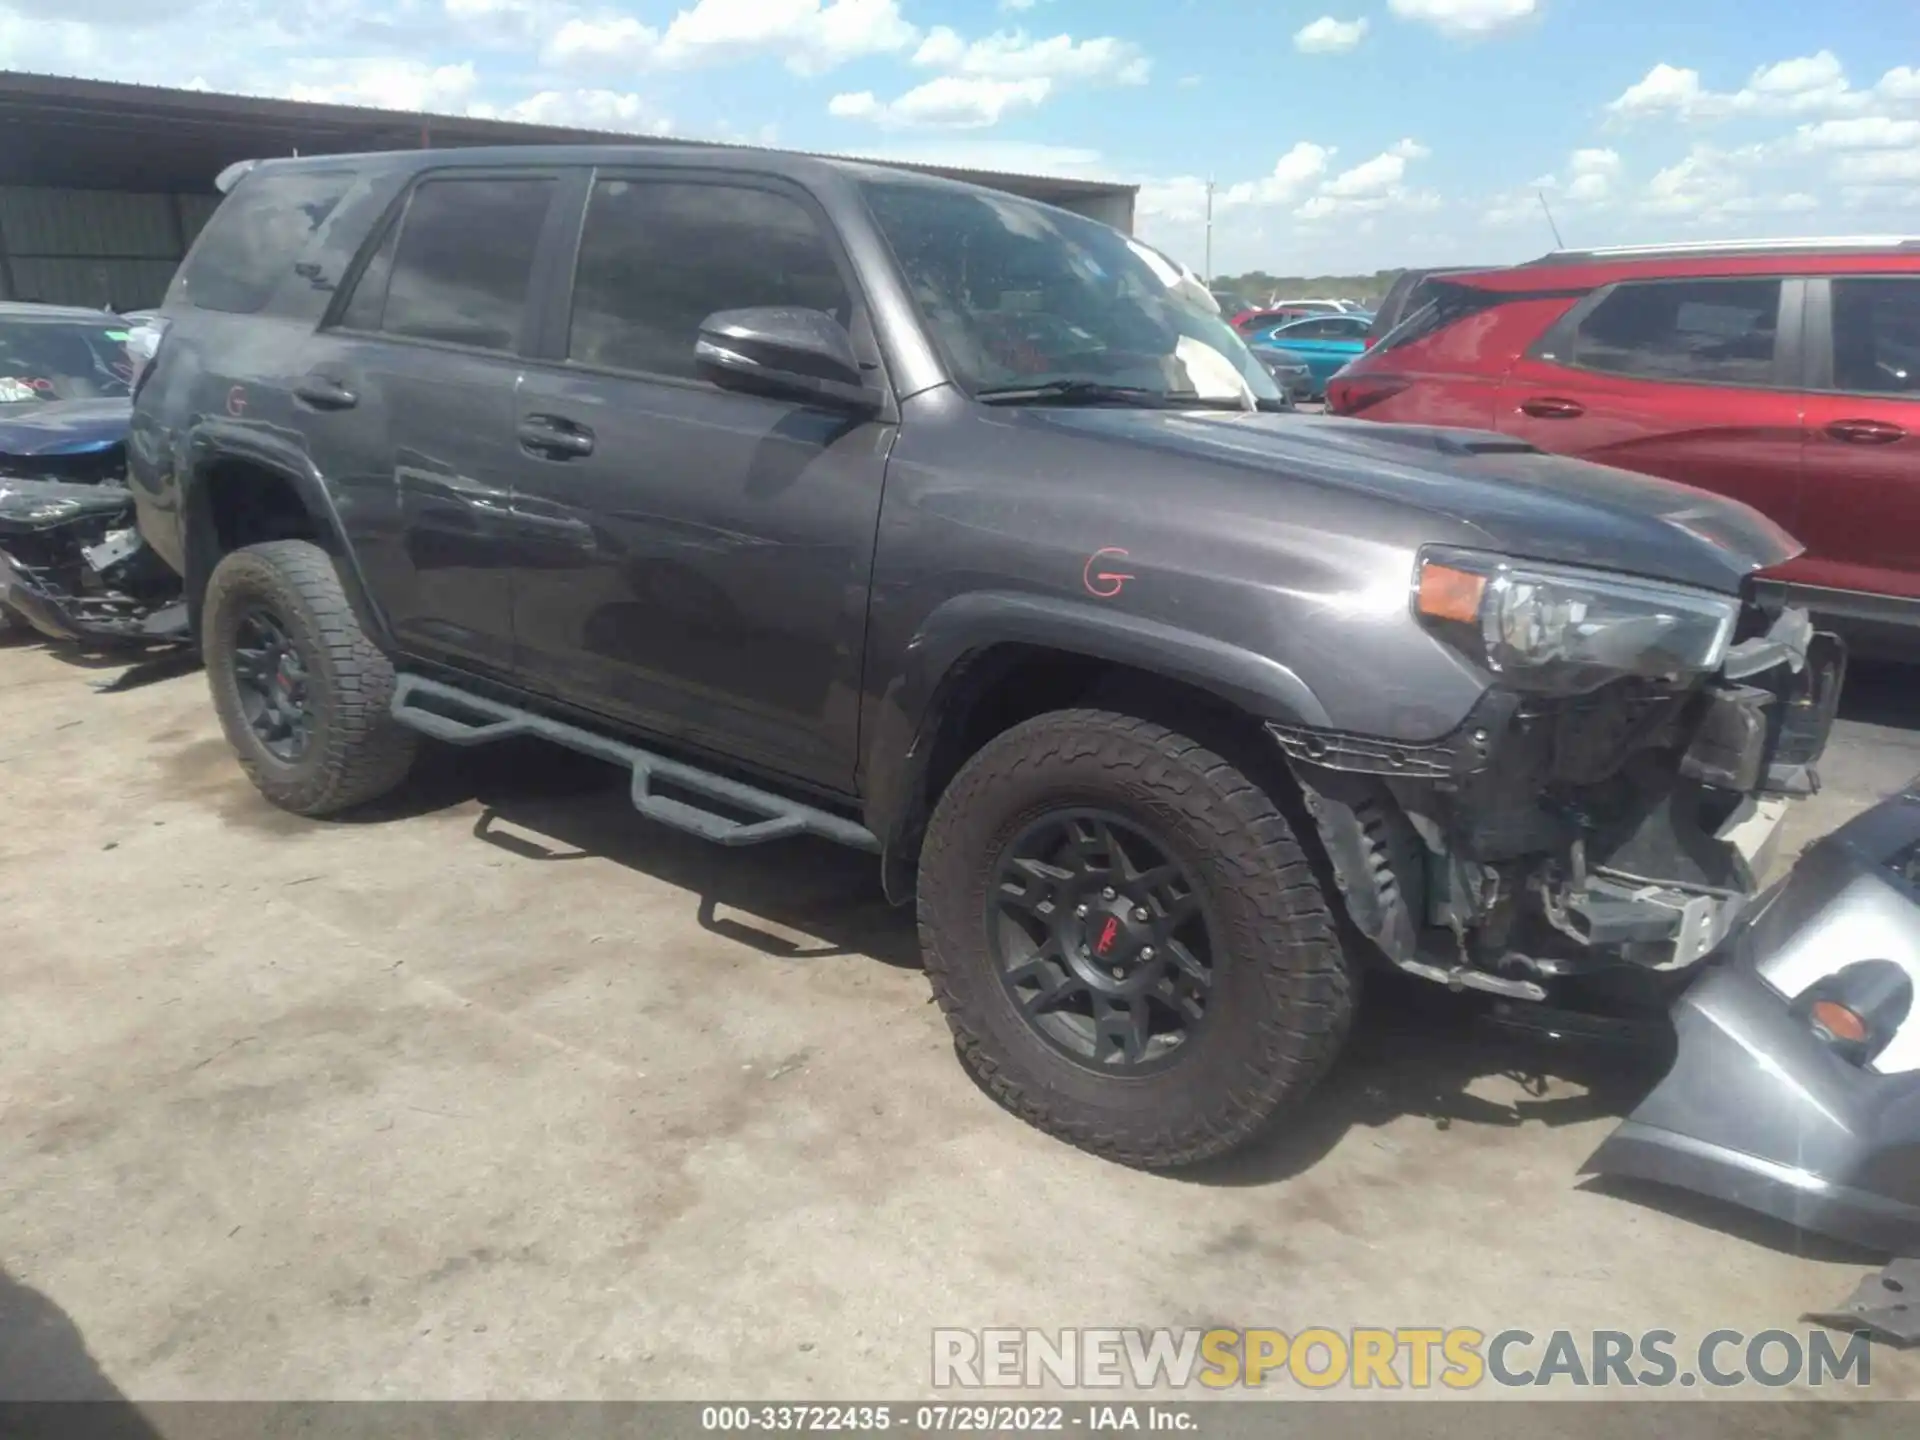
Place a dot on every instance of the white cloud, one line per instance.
(986, 79)
(387, 84)
(1902, 83)
(1372, 185)
(1859, 132)
(1465, 17)
(1377, 176)
(1594, 174)
(1808, 84)
(812, 36)
(590, 109)
(955, 101)
(613, 41)
(1328, 36)
(1012, 55)
(1292, 173)
(1878, 167)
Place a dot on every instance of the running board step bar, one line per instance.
(459, 718)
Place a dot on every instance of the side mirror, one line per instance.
(785, 351)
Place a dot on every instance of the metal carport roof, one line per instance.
(101, 135)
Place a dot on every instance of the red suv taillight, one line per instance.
(1352, 394)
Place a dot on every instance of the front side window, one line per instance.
(463, 264)
(47, 360)
(658, 257)
(257, 234)
(1714, 331)
(1876, 336)
(1019, 295)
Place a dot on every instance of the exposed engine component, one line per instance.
(73, 567)
(1622, 828)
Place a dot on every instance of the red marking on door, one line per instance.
(1109, 932)
(237, 401)
(1104, 583)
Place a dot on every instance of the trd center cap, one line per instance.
(1111, 935)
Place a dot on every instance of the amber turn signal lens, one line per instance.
(1449, 594)
(1838, 1021)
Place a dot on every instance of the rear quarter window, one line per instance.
(1712, 331)
(257, 236)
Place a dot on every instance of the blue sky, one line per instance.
(1341, 135)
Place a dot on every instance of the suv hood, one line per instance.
(63, 427)
(1521, 501)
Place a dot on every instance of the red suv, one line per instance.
(1784, 374)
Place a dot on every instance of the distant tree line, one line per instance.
(1257, 285)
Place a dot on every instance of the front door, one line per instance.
(1861, 522)
(1692, 380)
(696, 560)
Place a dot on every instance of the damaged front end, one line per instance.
(1580, 842)
(72, 565)
(1795, 1088)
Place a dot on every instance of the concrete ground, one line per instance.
(507, 1093)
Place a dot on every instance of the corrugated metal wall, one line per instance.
(94, 247)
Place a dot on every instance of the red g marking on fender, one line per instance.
(1104, 583)
(237, 400)
(1108, 933)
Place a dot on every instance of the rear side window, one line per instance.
(463, 264)
(1714, 331)
(257, 234)
(659, 257)
(1431, 308)
(1876, 336)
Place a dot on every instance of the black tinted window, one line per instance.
(465, 261)
(369, 296)
(1430, 307)
(657, 258)
(1876, 336)
(257, 234)
(1722, 331)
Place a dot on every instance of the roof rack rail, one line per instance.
(1736, 247)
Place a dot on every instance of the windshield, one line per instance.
(1018, 295)
(45, 360)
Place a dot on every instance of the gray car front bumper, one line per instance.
(1757, 1109)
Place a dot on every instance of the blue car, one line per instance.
(1325, 342)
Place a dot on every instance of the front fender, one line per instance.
(956, 634)
(214, 441)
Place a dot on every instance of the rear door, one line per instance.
(1696, 380)
(699, 558)
(1861, 519)
(413, 385)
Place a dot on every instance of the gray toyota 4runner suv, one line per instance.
(838, 501)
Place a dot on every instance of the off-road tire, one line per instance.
(1283, 984)
(358, 751)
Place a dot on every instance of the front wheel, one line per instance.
(301, 691)
(1129, 944)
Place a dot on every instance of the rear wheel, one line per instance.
(302, 693)
(1128, 943)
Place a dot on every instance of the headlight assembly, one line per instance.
(1564, 630)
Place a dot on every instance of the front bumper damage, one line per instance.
(1586, 851)
(74, 568)
(1761, 1109)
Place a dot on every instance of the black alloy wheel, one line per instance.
(1102, 940)
(271, 677)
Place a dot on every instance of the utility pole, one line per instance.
(1209, 258)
